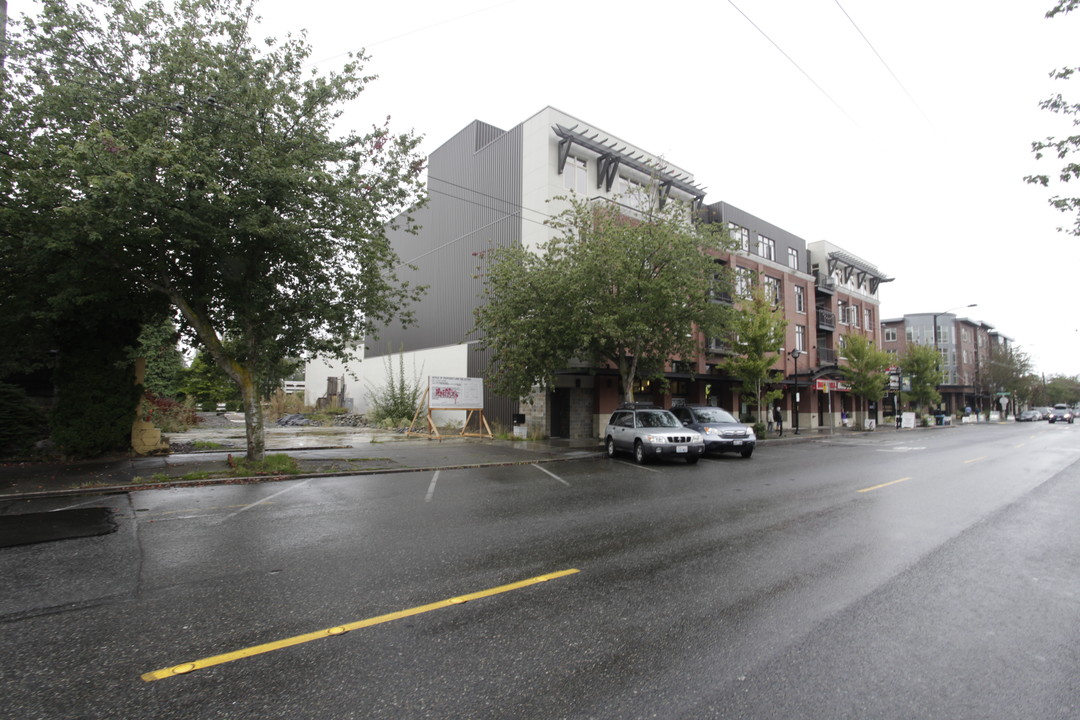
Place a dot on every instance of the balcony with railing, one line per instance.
(826, 319)
(826, 356)
(717, 346)
(824, 283)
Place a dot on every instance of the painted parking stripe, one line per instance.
(185, 668)
(265, 500)
(544, 470)
(431, 487)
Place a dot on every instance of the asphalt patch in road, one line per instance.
(59, 525)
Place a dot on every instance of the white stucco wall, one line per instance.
(360, 378)
(446, 361)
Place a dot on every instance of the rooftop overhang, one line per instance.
(863, 271)
(609, 156)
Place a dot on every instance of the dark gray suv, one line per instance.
(722, 432)
(651, 432)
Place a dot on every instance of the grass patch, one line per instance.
(208, 445)
(277, 464)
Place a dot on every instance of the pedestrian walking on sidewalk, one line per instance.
(778, 420)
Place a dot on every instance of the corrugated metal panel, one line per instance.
(497, 408)
(474, 182)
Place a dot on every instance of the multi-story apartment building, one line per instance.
(491, 188)
(967, 348)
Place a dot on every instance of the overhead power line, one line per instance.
(879, 57)
(799, 68)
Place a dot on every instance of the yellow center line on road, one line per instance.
(877, 487)
(184, 668)
(974, 460)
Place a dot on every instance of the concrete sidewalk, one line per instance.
(318, 452)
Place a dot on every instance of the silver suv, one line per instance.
(650, 432)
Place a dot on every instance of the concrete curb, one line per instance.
(251, 480)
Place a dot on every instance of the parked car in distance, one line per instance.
(722, 432)
(651, 432)
(1044, 412)
(1061, 413)
(1028, 416)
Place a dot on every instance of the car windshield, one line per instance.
(716, 415)
(657, 418)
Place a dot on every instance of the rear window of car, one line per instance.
(656, 418)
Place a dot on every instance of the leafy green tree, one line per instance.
(164, 361)
(161, 142)
(1061, 147)
(1008, 372)
(866, 369)
(757, 334)
(206, 383)
(1063, 389)
(609, 288)
(921, 366)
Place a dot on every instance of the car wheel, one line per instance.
(639, 453)
(610, 446)
(747, 452)
(692, 460)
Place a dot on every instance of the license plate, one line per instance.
(681, 448)
(737, 442)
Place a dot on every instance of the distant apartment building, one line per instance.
(967, 348)
(492, 188)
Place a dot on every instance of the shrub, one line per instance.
(168, 414)
(398, 399)
(281, 404)
(95, 405)
(21, 422)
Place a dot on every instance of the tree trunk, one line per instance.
(243, 376)
(253, 419)
(627, 377)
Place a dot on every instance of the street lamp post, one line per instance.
(795, 355)
(936, 316)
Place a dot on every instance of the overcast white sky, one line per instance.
(920, 174)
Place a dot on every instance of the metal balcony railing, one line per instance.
(826, 319)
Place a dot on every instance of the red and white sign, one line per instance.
(833, 386)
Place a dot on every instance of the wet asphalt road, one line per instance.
(921, 575)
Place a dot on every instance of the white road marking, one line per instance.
(300, 484)
(639, 467)
(431, 487)
(551, 474)
(69, 507)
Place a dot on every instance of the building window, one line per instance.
(793, 258)
(766, 247)
(633, 195)
(744, 282)
(868, 318)
(890, 334)
(576, 175)
(909, 334)
(800, 299)
(773, 290)
(853, 311)
(842, 311)
(800, 338)
(964, 335)
(740, 235)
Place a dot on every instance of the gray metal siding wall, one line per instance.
(474, 184)
(722, 212)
